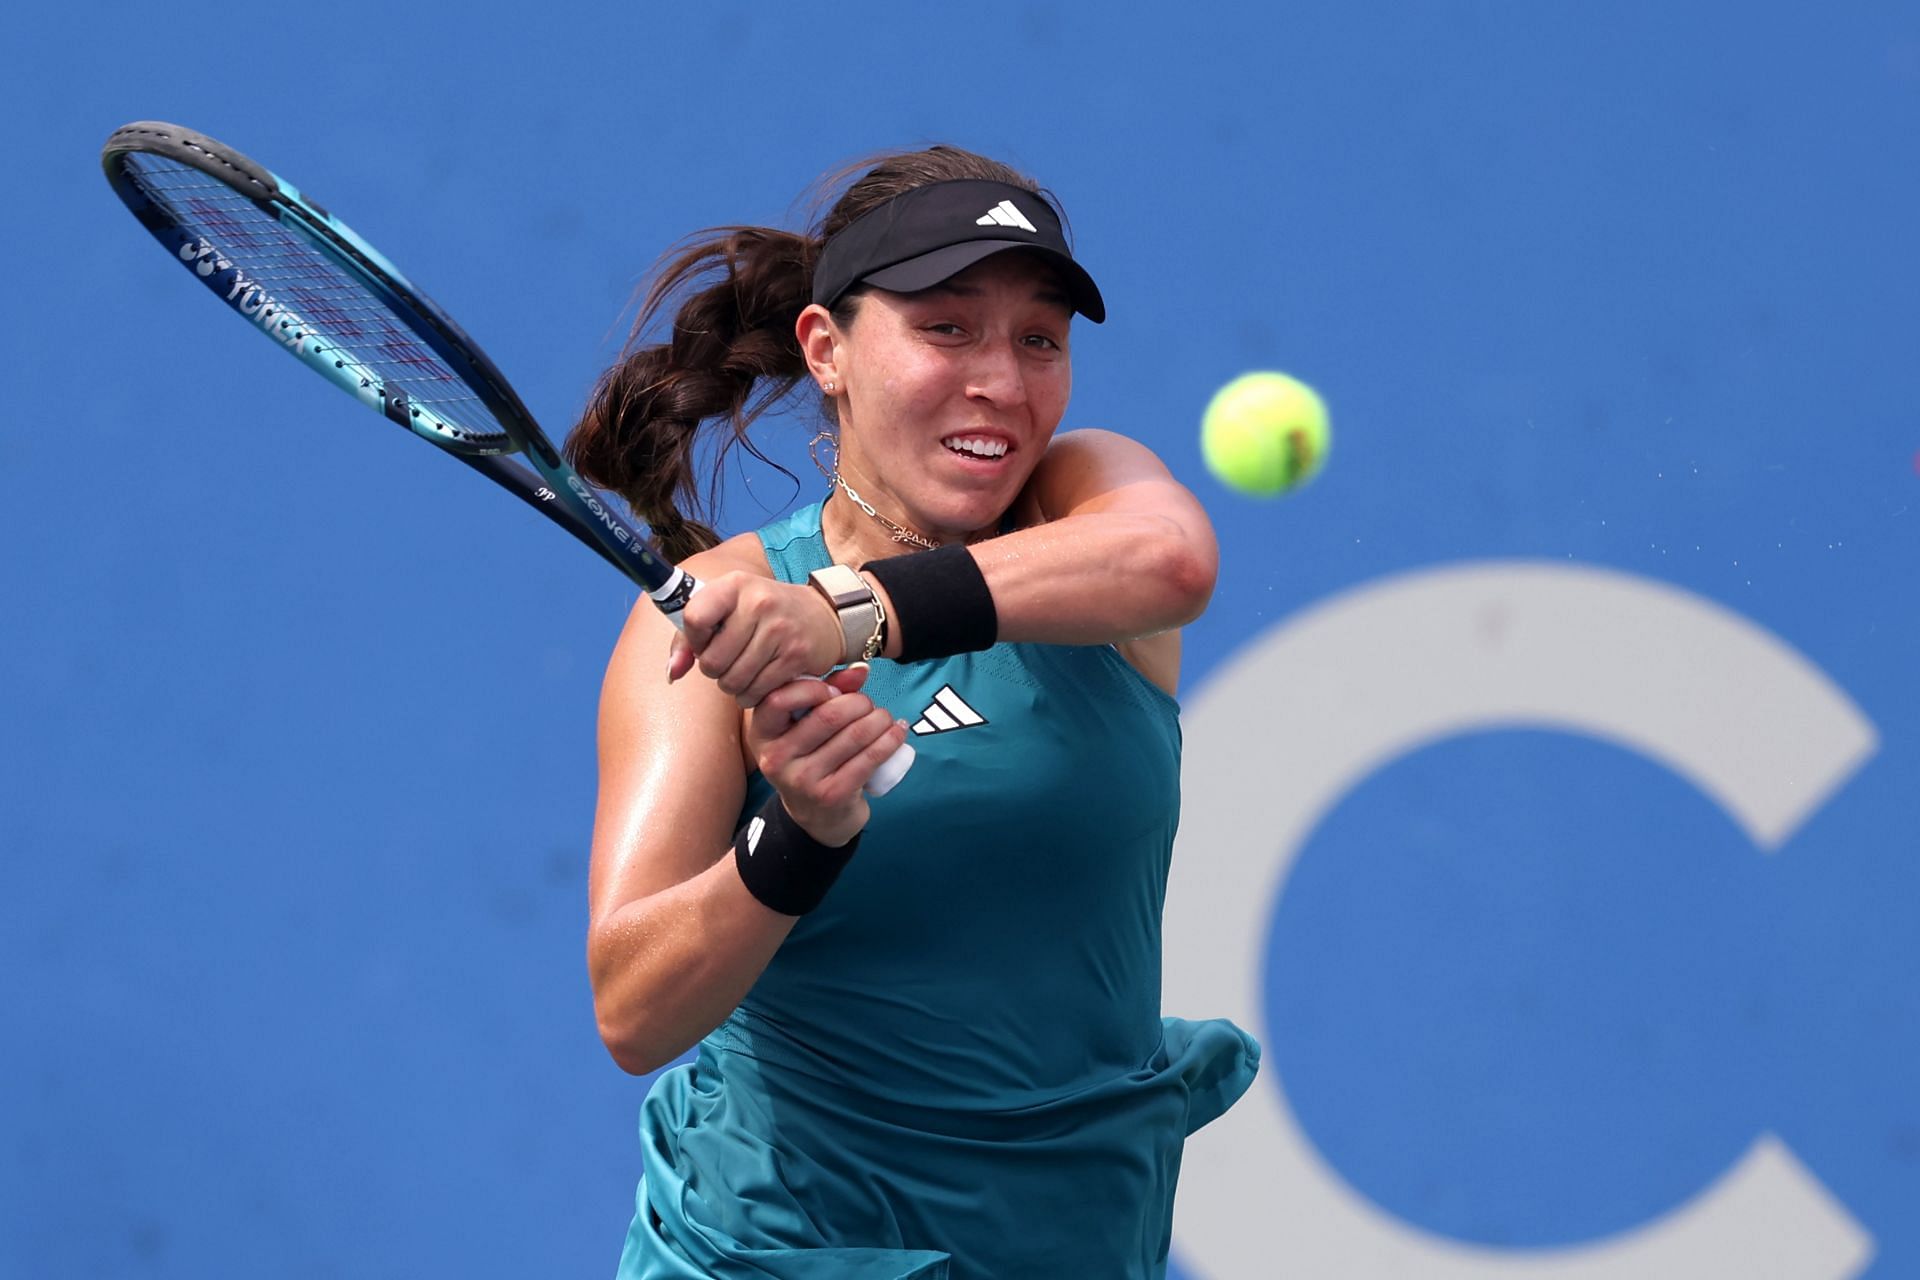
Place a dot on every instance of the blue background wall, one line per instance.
(295, 795)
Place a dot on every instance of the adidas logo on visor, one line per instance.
(1005, 215)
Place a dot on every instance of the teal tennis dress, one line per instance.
(956, 1068)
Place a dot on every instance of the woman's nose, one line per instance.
(997, 374)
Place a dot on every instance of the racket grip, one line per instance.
(891, 770)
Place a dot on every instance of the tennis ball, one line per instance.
(1265, 433)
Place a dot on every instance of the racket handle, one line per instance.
(891, 770)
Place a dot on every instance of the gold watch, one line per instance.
(863, 623)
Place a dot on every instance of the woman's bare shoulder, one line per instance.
(742, 553)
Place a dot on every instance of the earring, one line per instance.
(813, 451)
(827, 387)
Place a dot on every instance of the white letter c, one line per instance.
(1307, 711)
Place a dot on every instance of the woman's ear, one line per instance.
(819, 339)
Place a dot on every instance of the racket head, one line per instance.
(325, 295)
(306, 280)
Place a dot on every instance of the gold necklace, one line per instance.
(899, 533)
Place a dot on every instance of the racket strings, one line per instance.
(310, 299)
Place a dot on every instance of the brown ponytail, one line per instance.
(732, 353)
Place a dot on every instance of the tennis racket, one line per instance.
(318, 291)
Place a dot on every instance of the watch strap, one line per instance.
(862, 622)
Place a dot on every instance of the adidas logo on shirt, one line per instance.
(948, 711)
(1005, 215)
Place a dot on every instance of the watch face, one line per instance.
(842, 585)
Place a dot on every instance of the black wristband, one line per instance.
(784, 867)
(941, 604)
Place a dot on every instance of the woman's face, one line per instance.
(949, 396)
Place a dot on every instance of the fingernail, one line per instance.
(859, 666)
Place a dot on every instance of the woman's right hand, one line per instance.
(820, 762)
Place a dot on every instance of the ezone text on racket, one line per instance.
(600, 512)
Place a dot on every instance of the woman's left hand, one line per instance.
(752, 634)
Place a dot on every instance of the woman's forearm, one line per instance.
(1099, 578)
(1096, 578)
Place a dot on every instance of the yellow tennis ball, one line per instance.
(1265, 433)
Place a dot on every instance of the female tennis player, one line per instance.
(928, 1024)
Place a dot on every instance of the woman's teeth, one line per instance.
(976, 446)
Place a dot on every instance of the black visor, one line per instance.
(932, 233)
